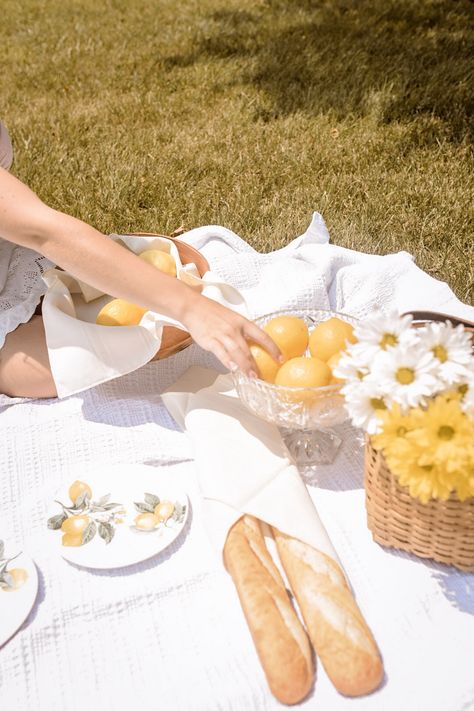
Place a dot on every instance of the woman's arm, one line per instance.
(96, 259)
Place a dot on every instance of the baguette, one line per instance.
(279, 637)
(335, 625)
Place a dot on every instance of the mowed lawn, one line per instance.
(148, 114)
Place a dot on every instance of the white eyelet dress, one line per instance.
(21, 285)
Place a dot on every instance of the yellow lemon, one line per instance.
(332, 362)
(164, 510)
(146, 521)
(120, 313)
(75, 525)
(267, 368)
(303, 372)
(19, 576)
(161, 260)
(290, 333)
(77, 488)
(71, 540)
(330, 337)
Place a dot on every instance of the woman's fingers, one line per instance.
(233, 358)
(239, 353)
(254, 333)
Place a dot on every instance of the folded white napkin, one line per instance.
(241, 461)
(83, 354)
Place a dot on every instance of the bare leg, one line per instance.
(24, 362)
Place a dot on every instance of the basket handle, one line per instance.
(437, 316)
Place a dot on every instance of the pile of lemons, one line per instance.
(119, 312)
(326, 343)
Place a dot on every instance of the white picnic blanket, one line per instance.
(169, 633)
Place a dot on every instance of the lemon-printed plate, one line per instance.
(18, 591)
(116, 516)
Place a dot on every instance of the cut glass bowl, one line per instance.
(306, 416)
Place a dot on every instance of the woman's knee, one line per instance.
(24, 363)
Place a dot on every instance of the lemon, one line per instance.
(303, 372)
(164, 510)
(75, 525)
(161, 260)
(120, 313)
(330, 337)
(77, 488)
(70, 540)
(146, 521)
(267, 368)
(332, 362)
(290, 333)
(19, 577)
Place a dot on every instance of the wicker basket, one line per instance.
(441, 530)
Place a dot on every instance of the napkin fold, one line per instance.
(242, 463)
(83, 354)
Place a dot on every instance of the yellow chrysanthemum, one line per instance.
(445, 432)
(431, 451)
(423, 482)
(394, 426)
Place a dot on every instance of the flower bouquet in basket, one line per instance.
(411, 389)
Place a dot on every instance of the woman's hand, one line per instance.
(226, 334)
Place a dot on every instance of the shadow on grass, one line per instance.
(393, 60)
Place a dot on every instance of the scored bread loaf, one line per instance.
(279, 637)
(335, 625)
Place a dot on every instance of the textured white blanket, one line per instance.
(169, 633)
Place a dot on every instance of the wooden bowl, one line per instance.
(175, 339)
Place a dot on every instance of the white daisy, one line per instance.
(451, 347)
(383, 331)
(353, 365)
(406, 373)
(363, 400)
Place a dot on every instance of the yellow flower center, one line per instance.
(446, 432)
(377, 403)
(405, 376)
(440, 353)
(388, 339)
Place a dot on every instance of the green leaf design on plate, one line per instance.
(144, 507)
(6, 580)
(152, 500)
(89, 532)
(82, 500)
(106, 531)
(179, 512)
(57, 521)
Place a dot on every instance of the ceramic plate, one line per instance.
(103, 528)
(15, 605)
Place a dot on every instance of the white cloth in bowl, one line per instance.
(83, 354)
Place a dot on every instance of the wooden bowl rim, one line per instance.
(178, 242)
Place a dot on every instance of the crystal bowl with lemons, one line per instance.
(301, 395)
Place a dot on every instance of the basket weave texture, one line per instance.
(441, 530)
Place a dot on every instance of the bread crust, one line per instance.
(335, 625)
(279, 637)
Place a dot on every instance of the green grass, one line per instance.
(145, 114)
